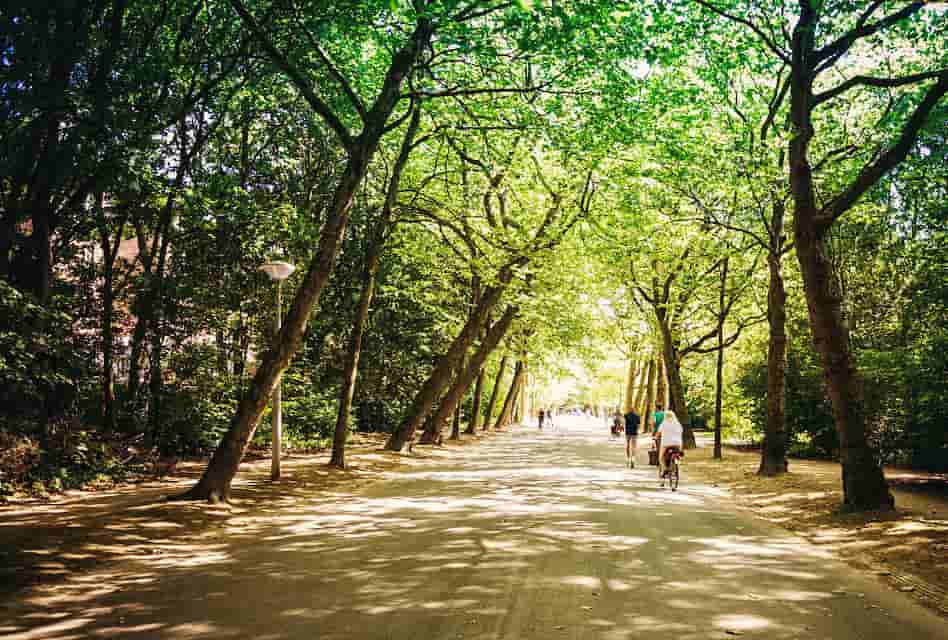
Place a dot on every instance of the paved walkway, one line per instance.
(525, 535)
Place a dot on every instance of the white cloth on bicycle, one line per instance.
(671, 431)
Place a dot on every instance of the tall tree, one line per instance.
(370, 270)
(215, 482)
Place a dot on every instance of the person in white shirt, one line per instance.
(669, 434)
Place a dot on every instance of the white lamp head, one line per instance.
(278, 270)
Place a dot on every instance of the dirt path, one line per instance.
(908, 548)
(525, 535)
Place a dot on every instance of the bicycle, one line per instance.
(672, 470)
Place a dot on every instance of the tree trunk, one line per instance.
(719, 368)
(648, 417)
(156, 381)
(347, 389)
(773, 457)
(474, 422)
(215, 484)
(642, 385)
(372, 261)
(456, 424)
(441, 375)
(452, 399)
(492, 402)
(216, 481)
(676, 390)
(507, 410)
(864, 486)
(661, 392)
(109, 253)
(629, 399)
(516, 414)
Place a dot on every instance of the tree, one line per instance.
(215, 482)
(864, 486)
(372, 259)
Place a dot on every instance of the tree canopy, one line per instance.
(492, 206)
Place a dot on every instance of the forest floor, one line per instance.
(908, 548)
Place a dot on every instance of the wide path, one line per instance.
(533, 535)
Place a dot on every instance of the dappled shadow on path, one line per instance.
(529, 535)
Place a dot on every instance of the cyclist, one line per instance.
(632, 421)
(669, 436)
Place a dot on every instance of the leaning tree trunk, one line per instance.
(495, 393)
(452, 399)
(473, 423)
(629, 399)
(215, 483)
(372, 260)
(517, 413)
(506, 411)
(864, 486)
(648, 418)
(773, 457)
(347, 389)
(441, 375)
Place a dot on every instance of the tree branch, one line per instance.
(874, 82)
(295, 76)
(837, 48)
(341, 79)
(874, 171)
(760, 34)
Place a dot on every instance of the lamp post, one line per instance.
(278, 272)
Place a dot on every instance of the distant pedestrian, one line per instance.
(632, 421)
(541, 416)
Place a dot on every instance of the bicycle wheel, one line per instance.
(673, 476)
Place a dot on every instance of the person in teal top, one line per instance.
(659, 416)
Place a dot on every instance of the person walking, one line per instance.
(632, 421)
(540, 416)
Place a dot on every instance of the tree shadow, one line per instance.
(527, 535)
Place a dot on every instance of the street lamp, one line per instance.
(278, 272)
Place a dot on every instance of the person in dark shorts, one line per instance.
(632, 421)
